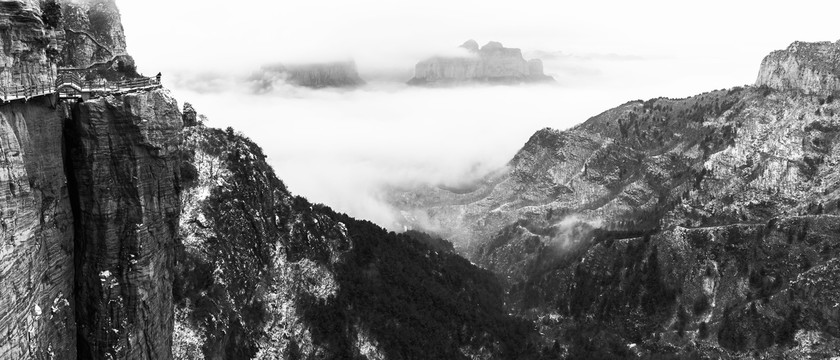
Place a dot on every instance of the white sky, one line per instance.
(340, 147)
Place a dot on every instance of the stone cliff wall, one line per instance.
(36, 235)
(813, 68)
(124, 174)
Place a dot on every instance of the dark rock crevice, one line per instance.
(71, 141)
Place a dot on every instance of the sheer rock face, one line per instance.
(813, 68)
(734, 195)
(36, 235)
(124, 168)
(490, 63)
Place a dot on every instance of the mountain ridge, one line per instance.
(721, 162)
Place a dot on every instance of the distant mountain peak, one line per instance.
(810, 67)
(492, 45)
(494, 64)
(470, 45)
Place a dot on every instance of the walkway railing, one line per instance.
(71, 85)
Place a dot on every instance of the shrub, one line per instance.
(703, 332)
(701, 305)
(51, 13)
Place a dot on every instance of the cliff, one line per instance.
(316, 76)
(123, 168)
(813, 68)
(720, 208)
(492, 63)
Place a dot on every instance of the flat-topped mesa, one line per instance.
(813, 68)
(492, 63)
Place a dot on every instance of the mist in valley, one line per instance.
(344, 147)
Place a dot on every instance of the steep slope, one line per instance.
(264, 274)
(704, 225)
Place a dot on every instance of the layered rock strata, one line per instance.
(37, 318)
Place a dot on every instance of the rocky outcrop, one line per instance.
(625, 209)
(37, 319)
(813, 68)
(492, 63)
(319, 75)
(124, 171)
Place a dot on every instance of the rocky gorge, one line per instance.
(701, 227)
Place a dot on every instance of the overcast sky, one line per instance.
(340, 147)
(728, 36)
